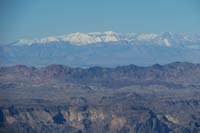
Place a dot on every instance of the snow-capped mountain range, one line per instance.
(75, 38)
(103, 49)
(80, 39)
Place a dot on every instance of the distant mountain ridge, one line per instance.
(173, 73)
(108, 49)
(80, 39)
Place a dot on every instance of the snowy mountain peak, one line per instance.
(75, 38)
(90, 38)
(146, 36)
(80, 39)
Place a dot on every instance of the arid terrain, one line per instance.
(125, 99)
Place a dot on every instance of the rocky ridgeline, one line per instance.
(174, 73)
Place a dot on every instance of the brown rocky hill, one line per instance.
(174, 73)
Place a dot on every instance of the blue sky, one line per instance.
(40, 18)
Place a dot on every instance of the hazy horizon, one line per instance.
(37, 19)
